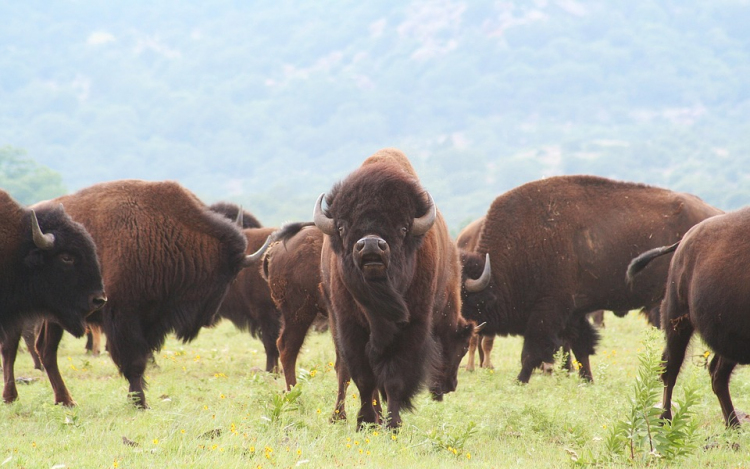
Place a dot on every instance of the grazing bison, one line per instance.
(707, 292)
(391, 276)
(48, 270)
(558, 248)
(248, 303)
(467, 240)
(167, 262)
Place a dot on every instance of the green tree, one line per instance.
(25, 179)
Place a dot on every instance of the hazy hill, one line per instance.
(269, 103)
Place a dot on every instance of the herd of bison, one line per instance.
(138, 260)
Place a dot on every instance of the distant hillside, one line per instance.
(269, 103)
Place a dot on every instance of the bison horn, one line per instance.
(252, 259)
(324, 224)
(478, 329)
(472, 285)
(42, 241)
(423, 224)
(240, 220)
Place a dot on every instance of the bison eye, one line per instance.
(341, 230)
(404, 230)
(67, 259)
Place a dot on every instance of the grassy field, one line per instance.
(212, 407)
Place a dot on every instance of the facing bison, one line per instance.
(167, 261)
(559, 247)
(382, 265)
(48, 269)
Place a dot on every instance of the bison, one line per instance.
(558, 248)
(467, 241)
(167, 262)
(49, 270)
(292, 270)
(391, 276)
(706, 291)
(248, 303)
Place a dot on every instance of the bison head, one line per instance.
(478, 294)
(376, 219)
(63, 269)
(454, 344)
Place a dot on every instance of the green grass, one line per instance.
(212, 407)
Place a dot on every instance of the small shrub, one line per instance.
(642, 434)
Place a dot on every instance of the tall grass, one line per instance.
(212, 406)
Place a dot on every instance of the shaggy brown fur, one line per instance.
(558, 248)
(167, 261)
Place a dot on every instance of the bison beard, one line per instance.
(378, 297)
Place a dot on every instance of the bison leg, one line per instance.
(94, 339)
(47, 344)
(269, 338)
(475, 339)
(583, 345)
(130, 351)
(353, 340)
(343, 376)
(541, 340)
(296, 325)
(721, 370)
(678, 337)
(487, 343)
(10, 350)
(29, 336)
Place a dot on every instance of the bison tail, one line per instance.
(640, 262)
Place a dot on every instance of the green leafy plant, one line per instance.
(284, 402)
(642, 434)
(452, 439)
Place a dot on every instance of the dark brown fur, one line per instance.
(61, 284)
(707, 292)
(167, 261)
(558, 248)
(383, 329)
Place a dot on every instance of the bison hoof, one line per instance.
(338, 416)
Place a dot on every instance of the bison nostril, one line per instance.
(98, 301)
(382, 244)
(360, 245)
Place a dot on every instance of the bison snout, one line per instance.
(372, 254)
(371, 244)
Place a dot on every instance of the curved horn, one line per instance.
(474, 286)
(253, 258)
(323, 223)
(42, 241)
(423, 224)
(478, 329)
(240, 220)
